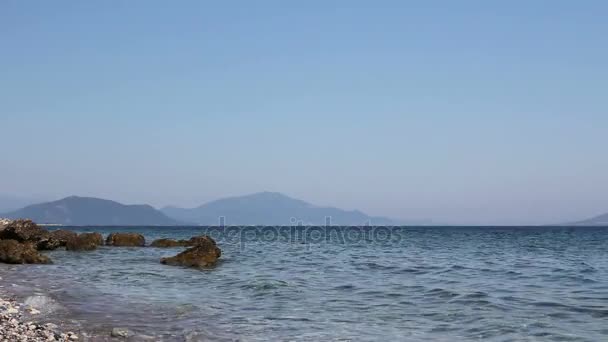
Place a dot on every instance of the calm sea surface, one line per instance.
(335, 284)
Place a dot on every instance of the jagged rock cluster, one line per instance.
(22, 241)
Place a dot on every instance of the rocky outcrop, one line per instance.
(125, 240)
(84, 242)
(28, 231)
(23, 230)
(15, 252)
(62, 236)
(197, 240)
(4, 222)
(204, 254)
(166, 243)
(95, 237)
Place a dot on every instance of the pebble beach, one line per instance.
(18, 323)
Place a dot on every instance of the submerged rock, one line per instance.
(126, 240)
(165, 243)
(62, 236)
(120, 332)
(84, 242)
(205, 253)
(15, 252)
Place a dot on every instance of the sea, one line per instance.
(333, 284)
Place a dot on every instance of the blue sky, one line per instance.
(457, 111)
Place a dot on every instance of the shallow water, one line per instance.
(408, 284)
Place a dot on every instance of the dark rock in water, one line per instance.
(14, 252)
(48, 244)
(204, 253)
(62, 236)
(197, 240)
(95, 237)
(165, 243)
(193, 241)
(126, 240)
(84, 242)
(28, 231)
(23, 230)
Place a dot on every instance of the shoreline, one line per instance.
(20, 322)
(37, 316)
(33, 313)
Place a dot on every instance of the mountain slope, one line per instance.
(92, 211)
(11, 203)
(268, 208)
(601, 220)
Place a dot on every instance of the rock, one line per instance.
(48, 244)
(204, 254)
(165, 243)
(22, 231)
(196, 240)
(193, 241)
(14, 252)
(120, 332)
(95, 237)
(126, 240)
(28, 231)
(4, 222)
(85, 242)
(62, 236)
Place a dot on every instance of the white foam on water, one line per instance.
(42, 303)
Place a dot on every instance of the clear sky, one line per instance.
(457, 111)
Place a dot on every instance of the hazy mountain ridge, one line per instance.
(600, 220)
(264, 208)
(269, 208)
(10, 203)
(76, 211)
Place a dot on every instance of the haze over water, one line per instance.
(439, 284)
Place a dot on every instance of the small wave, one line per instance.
(42, 303)
(441, 293)
(344, 287)
(265, 285)
(475, 295)
(288, 318)
(594, 312)
(376, 266)
(412, 270)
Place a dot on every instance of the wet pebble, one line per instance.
(14, 328)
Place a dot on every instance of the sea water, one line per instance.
(336, 284)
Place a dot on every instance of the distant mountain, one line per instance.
(78, 211)
(10, 202)
(269, 208)
(601, 220)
